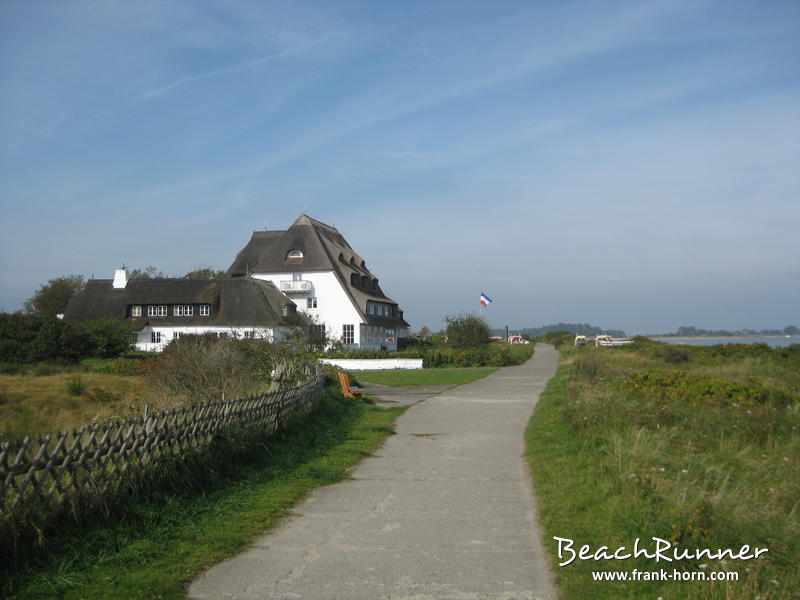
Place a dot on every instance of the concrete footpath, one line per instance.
(444, 510)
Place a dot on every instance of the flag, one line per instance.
(485, 300)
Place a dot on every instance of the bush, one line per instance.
(203, 368)
(680, 386)
(110, 337)
(76, 386)
(467, 331)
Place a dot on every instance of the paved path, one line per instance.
(387, 395)
(443, 511)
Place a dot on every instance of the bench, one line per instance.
(349, 391)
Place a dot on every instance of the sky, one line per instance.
(634, 165)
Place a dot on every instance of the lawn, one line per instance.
(153, 549)
(697, 447)
(404, 377)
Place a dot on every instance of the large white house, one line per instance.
(162, 309)
(313, 264)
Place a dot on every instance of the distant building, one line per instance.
(313, 264)
(162, 309)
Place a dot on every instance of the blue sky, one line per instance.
(629, 164)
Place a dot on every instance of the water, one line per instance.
(775, 342)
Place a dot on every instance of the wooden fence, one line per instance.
(71, 470)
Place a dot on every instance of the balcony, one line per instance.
(296, 287)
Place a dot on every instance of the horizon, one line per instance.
(619, 163)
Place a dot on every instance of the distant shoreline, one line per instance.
(714, 337)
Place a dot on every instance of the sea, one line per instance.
(774, 341)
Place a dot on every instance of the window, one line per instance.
(289, 309)
(294, 256)
(348, 334)
(183, 310)
(134, 337)
(155, 337)
(136, 311)
(354, 279)
(311, 303)
(157, 311)
(205, 310)
(297, 277)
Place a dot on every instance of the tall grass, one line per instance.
(701, 448)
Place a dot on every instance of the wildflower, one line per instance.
(703, 566)
(684, 470)
(662, 469)
(786, 459)
(774, 581)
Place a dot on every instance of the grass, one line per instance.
(613, 461)
(154, 549)
(403, 377)
(31, 404)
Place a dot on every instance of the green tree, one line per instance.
(467, 331)
(109, 336)
(150, 272)
(204, 273)
(52, 297)
(60, 341)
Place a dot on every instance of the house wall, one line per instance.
(144, 337)
(334, 307)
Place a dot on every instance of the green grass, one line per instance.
(612, 462)
(153, 549)
(402, 377)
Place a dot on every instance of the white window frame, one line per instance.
(136, 311)
(311, 303)
(157, 310)
(205, 310)
(183, 310)
(348, 334)
(155, 337)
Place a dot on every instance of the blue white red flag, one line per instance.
(485, 300)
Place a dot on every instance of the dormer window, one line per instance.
(354, 280)
(294, 256)
(352, 261)
(136, 311)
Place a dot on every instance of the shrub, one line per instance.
(467, 331)
(110, 337)
(674, 354)
(679, 386)
(203, 368)
(76, 386)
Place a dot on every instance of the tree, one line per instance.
(110, 337)
(206, 272)
(52, 297)
(467, 331)
(146, 273)
(791, 330)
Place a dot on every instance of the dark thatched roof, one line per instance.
(324, 249)
(233, 301)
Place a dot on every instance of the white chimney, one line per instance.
(120, 278)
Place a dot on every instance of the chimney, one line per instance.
(120, 278)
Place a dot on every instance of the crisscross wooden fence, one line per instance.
(71, 470)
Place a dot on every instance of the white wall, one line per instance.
(334, 307)
(364, 364)
(144, 337)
